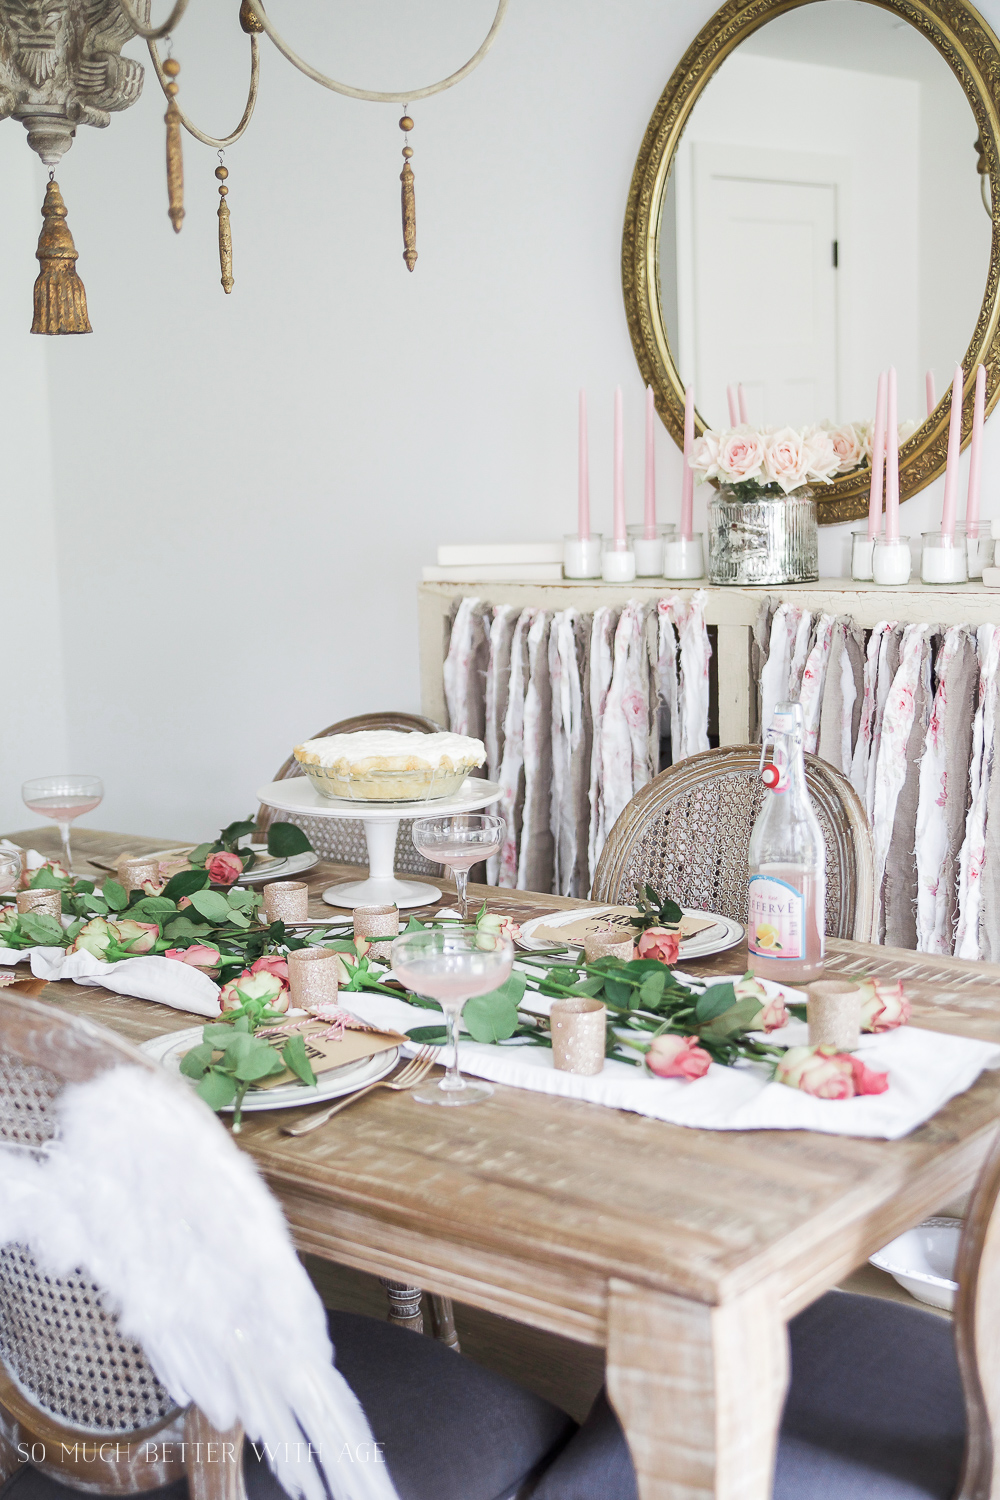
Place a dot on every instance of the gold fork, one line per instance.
(414, 1072)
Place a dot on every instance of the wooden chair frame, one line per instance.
(853, 849)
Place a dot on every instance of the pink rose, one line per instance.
(741, 456)
(137, 937)
(200, 955)
(657, 942)
(677, 1057)
(786, 461)
(261, 986)
(828, 1074)
(705, 456)
(883, 1006)
(184, 901)
(271, 963)
(773, 1012)
(223, 868)
(94, 937)
(822, 461)
(153, 887)
(52, 865)
(504, 927)
(848, 445)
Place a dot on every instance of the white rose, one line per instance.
(906, 429)
(705, 455)
(847, 446)
(786, 459)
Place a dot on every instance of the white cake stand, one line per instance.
(381, 820)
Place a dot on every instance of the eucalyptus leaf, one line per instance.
(195, 1063)
(151, 909)
(490, 1018)
(217, 1089)
(286, 839)
(200, 853)
(652, 987)
(238, 918)
(618, 994)
(740, 1017)
(217, 1032)
(211, 905)
(182, 927)
(96, 904)
(429, 1036)
(294, 1055)
(114, 895)
(259, 1060)
(715, 1000)
(238, 895)
(185, 883)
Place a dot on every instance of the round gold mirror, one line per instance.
(812, 204)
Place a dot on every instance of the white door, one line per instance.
(764, 267)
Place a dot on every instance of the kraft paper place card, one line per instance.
(324, 1053)
(619, 917)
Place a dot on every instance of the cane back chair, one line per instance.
(343, 839)
(688, 832)
(77, 1398)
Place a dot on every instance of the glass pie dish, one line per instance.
(420, 784)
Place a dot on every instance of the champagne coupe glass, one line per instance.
(459, 841)
(10, 869)
(451, 965)
(63, 798)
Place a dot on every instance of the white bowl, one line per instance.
(923, 1261)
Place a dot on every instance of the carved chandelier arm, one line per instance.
(405, 96)
(210, 140)
(153, 33)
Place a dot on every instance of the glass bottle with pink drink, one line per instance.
(786, 926)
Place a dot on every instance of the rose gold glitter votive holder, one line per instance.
(312, 976)
(49, 902)
(607, 944)
(579, 1031)
(833, 1010)
(372, 922)
(286, 901)
(135, 871)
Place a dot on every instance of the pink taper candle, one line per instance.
(734, 415)
(743, 404)
(949, 511)
(976, 451)
(878, 463)
(621, 539)
(583, 504)
(649, 512)
(687, 480)
(892, 463)
(931, 392)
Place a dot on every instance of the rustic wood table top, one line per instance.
(682, 1251)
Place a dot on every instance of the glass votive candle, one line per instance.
(978, 547)
(649, 550)
(582, 555)
(286, 901)
(618, 564)
(833, 1010)
(943, 558)
(862, 550)
(49, 902)
(579, 1032)
(371, 922)
(683, 556)
(891, 560)
(607, 944)
(133, 873)
(313, 977)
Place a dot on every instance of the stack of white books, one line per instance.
(498, 562)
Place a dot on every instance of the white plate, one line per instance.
(923, 1261)
(169, 1050)
(724, 932)
(279, 869)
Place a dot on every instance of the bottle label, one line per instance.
(776, 919)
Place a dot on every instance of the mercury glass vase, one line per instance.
(763, 540)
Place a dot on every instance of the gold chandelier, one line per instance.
(61, 66)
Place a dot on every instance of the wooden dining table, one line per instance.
(682, 1252)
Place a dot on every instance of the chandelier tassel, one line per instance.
(409, 200)
(225, 235)
(175, 160)
(60, 297)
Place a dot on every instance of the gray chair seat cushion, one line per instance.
(874, 1412)
(450, 1429)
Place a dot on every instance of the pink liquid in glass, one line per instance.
(452, 983)
(64, 809)
(459, 854)
(785, 938)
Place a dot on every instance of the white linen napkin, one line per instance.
(148, 977)
(926, 1069)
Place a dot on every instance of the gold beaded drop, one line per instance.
(409, 200)
(175, 160)
(225, 237)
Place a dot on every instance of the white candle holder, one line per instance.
(862, 550)
(943, 558)
(649, 550)
(978, 547)
(892, 561)
(582, 555)
(618, 566)
(684, 556)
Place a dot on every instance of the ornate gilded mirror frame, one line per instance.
(972, 52)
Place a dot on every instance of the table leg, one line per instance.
(404, 1304)
(699, 1391)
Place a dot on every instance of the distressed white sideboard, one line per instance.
(732, 610)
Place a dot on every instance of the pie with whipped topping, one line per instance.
(389, 765)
